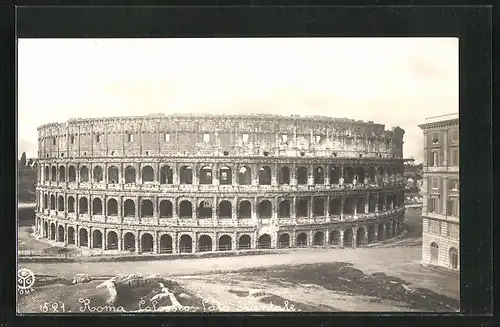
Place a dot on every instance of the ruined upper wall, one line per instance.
(213, 135)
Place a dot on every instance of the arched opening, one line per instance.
(166, 244)
(60, 234)
(434, 253)
(381, 232)
(380, 175)
(454, 258)
(348, 238)
(319, 175)
(71, 174)
(244, 176)
(130, 175)
(45, 201)
(301, 240)
(360, 236)
(245, 242)
(97, 206)
(71, 235)
(284, 210)
(360, 205)
(225, 209)
(71, 204)
(97, 174)
(112, 241)
(146, 243)
(335, 237)
(129, 242)
(284, 241)
(129, 208)
(53, 231)
(284, 177)
(112, 207)
(52, 202)
(205, 209)
(360, 175)
(334, 207)
(185, 209)
(265, 241)
(264, 175)
(186, 175)
(53, 173)
(166, 209)
(371, 175)
(319, 238)
(225, 176)
(83, 237)
(245, 209)
(349, 206)
(146, 208)
(349, 175)
(113, 175)
(381, 202)
(148, 174)
(60, 203)
(388, 230)
(206, 175)
(372, 203)
(302, 207)
(265, 209)
(166, 175)
(334, 175)
(225, 243)
(46, 173)
(204, 243)
(388, 202)
(185, 244)
(371, 234)
(83, 206)
(97, 239)
(301, 175)
(62, 174)
(319, 207)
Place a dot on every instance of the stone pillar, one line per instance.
(196, 177)
(366, 236)
(274, 175)
(275, 211)
(215, 241)
(234, 210)
(215, 174)
(310, 201)
(175, 208)
(326, 174)
(355, 207)
(444, 200)
(137, 243)
(354, 237)
(104, 239)
(327, 236)
(293, 209)
(77, 236)
(215, 211)
(341, 179)
(155, 242)
(376, 204)
(255, 175)
(65, 234)
(176, 174)
(375, 233)
(120, 240)
(341, 238)
(254, 210)
(90, 237)
(175, 243)
(445, 149)
(325, 211)
(310, 174)
(342, 200)
(195, 210)
(234, 174)
(234, 242)
(293, 174)
(367, 203)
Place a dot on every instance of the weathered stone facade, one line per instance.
(171, 184)
(441, 184)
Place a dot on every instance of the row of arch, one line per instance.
(453, 260)
(264, 209)
(225, 174)
(343, 238)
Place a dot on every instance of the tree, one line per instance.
(23, 160)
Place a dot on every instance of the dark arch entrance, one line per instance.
(335, 237)
(185, 209)
(112, 241)
(129, 242)
(146, 243)
(381, 232)
(225, 243)
(245, 210)
(434, 253)
(45, 229)
(348, 238)
(301, 240)
(185, 244)
(84, 237)
(265, 209)
(71, 235)
(284, 241)
(371, 234)
(166, 244)
(245, 242)
(360, 236)
(60, 232)
(319, 238)
(205, 243)
(53, 232)
(97, 239)
(265, 241)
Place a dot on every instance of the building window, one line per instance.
(431, 205)
(130, 137)
(434, 183)
(53, 141)
(434, 159)
(98, 138)
(434, 227)
(454, 184)
(206, 137)
(166, 137)
(284, 138)
(245, 138)
(454, 159)
(454, 135)
(72, 139)
(453, 231)
(452, 207)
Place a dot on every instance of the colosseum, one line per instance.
(193, 183)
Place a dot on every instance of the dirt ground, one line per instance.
(383, 278)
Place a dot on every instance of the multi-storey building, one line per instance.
(189, 183)
(441, 184)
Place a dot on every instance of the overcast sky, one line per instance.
(392, 81)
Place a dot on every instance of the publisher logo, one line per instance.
(25, 281)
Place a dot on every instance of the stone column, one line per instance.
(325, 208)
(175, 243)
(341, 179)
(104, 239)
(234, 242)
(341, 238)
(254, 210)
(342, 200)
(293, 209)
(310, 201)
(310, 174)
(65, 234)
(175, 208)
(274, 175)
(326, 174)
(196, 177)
(215, 174)
(366, 236)
(137, 243)
(327, 236)
(215, 211)
(367, 203)
(255, 175)
(195, 210)
(355, 207)
(445, 196)
(215, 241)
(90, 237)
(354, 237)
(120, 240)
(445, 149)
(275, 211)
(77, 236)
(234, 210)
(293, 174)
(155, 242)
(234, 174)
(375, 233)
(376, 204)
(176, 174)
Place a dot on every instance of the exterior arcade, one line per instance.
(193, 183)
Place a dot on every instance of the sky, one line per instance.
(391, 81)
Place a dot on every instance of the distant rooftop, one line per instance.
(434, 119)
